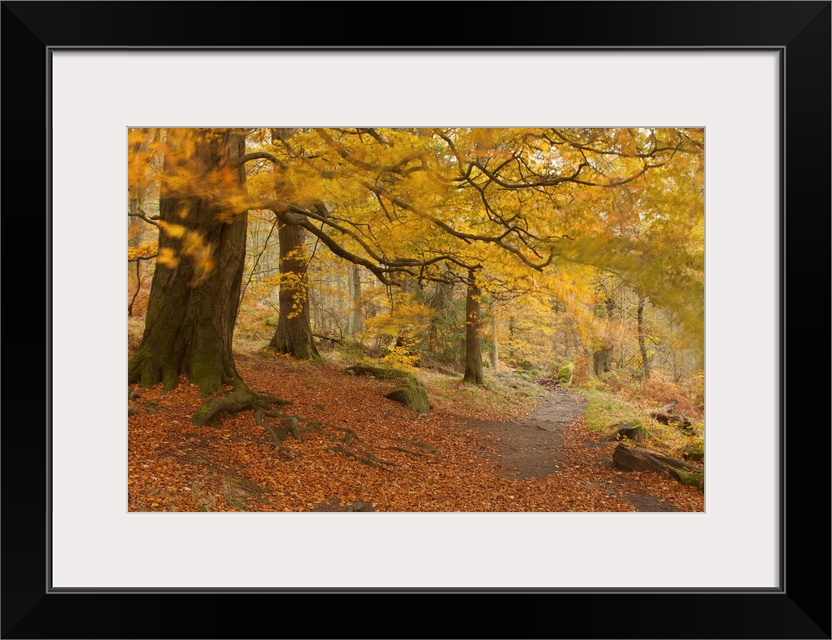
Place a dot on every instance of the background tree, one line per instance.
(294, 331)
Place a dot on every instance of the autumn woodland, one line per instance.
(391, 319)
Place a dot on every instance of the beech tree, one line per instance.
(293, 335)
(196, 286)
(473, 328)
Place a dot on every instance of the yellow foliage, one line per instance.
(408, 194)
(146, 250)
(168, 258)
(401, 358)
(172, 230)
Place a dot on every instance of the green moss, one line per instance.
(307, 353)
(382, 373)
(637, 429)
(565, 373)
(148, 377)
(412, 395)
(693, 450)
(605, 409)
(205, 373)
(171, 379)
(692, 478)
(200, 414)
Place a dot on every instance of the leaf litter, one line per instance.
(447, 461)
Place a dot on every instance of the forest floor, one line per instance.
(509, 446)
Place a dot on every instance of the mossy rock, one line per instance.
(412, 395)
(634, 430)
(382, 373)
(565, 373)
(691, 479)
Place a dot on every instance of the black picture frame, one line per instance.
(799, 608)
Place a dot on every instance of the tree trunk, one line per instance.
(356, 323)
(195, 290)
(473, 341)
(495, 358)
(441, 340)
(641, 345)
(294, 333)
(601, 361)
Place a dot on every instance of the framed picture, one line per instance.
(755, 76)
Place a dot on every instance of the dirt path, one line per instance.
(532, 447)
(546, 440)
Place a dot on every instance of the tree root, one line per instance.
(238, 399)
(403, 450)
(241, 398)
(368, 458)
(349, 435)
(421, 445)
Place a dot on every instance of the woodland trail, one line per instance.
(532, 446)
(551, 439)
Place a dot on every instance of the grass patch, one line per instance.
(604, 409)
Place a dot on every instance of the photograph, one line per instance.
(392, 319)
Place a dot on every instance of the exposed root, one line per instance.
(238, 399)
(403, 450)
(349, 435)
(241, 398)
(368, 458)
(293, 426)
(421, 445)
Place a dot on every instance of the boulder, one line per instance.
(382, 373)
(412, 395)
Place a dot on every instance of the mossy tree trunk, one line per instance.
(473, 333)
(294, 332)
(196, 291)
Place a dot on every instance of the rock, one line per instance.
(412, 395)
(382, 373)
(634, 431)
